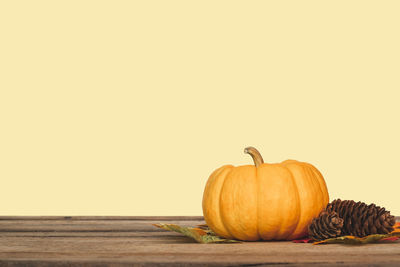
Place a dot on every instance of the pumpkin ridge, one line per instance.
(215, 220)
(321, 182)
(298, 202)
(219, 205)
(315, 179)
(310, 178)
(319, 192)
(238, 203)
(300, 230)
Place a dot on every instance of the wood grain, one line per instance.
(127, 241)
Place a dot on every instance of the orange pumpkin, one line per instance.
(265, 201)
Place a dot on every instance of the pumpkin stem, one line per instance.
(258, 160)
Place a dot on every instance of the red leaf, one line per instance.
(391, 238)
(305, 240)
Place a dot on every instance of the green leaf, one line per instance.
(202, 235)
(352, 240)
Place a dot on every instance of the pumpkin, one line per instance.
(264, 202)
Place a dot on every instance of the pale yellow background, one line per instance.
(126, 107)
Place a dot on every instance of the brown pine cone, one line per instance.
(326, 225)
(361, 219)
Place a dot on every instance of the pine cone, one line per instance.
(326, 225)
(361, 219)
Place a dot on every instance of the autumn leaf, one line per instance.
(393, 236)
(202, 235)
(352, 240)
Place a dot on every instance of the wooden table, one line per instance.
(127, 241)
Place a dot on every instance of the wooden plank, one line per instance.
(91, 234)
(87, 225)
(113, 242)
(189, 253)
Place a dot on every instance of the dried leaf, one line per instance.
(200, 235)
(203, 226)
(352, 240)
(391, 238)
